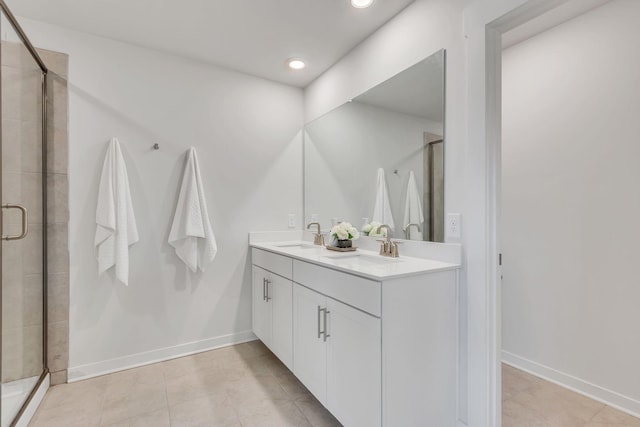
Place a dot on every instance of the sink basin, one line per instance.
(345, 256)
(299, 246)
(362, 260)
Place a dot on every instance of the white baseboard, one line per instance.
(601, 394)
(91, 370)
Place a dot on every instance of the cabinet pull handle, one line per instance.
(320, 310)
(264, 289)
(268, 298)
(326, 335)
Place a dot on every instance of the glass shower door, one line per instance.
(22, 251)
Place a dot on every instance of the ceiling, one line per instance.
(250, 36)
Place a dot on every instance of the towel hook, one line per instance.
(156, 146)
(396, 171)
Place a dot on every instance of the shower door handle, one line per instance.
(25, 227)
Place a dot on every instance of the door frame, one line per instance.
(13, 22)
(484, 26)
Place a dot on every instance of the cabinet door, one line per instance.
(280, 293)
(309, 350)
(354, 389)
(261, 309)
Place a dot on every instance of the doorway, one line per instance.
(566, 170)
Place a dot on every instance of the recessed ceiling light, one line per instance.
(361, 4)
(296, 64)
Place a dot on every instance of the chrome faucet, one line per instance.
(407, 230)
(318, 238)
(387, 247)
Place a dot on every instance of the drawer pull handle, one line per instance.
(264, 289)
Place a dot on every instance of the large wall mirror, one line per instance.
(380, 157)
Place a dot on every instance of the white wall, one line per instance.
(570, 199)
(371, 137)
(247, 133)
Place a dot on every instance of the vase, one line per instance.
(346, 243)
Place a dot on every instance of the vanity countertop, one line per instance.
(364, 263)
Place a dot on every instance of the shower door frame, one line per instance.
(34, 54)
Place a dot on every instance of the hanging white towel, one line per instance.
(191, 233)
(413, 209)
(116, 228)
(382, 208)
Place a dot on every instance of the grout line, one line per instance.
(233, 407)
(295, 402)
(166, 394)
(104, 398)
(596, 414)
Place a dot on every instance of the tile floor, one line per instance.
(243, 385)
(246, 385)
(529, 401)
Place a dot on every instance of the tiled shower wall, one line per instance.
(22, 175)
(57, 215)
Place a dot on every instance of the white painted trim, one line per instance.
(493, 129)
(91, 370)
(33, 405)
(593, 391)
(492, 29)
(556, 16)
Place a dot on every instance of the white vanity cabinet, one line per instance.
(336, 347)
(310, 365)
(337, 356)
(272, 304)
(375, 352)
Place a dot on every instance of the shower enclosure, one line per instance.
(23, 215)
(433, 187)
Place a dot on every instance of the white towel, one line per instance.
(413, 209)
(382, 208)
(191, 233)
(116, 228)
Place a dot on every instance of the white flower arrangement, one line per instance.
(371, 229)
(344, 231)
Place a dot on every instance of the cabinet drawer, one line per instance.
(353, 290)
(274, 263)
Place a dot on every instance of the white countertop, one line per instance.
(364, 263)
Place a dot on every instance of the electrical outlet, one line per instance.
(292, 220)
(453, 226)
(314, 217)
